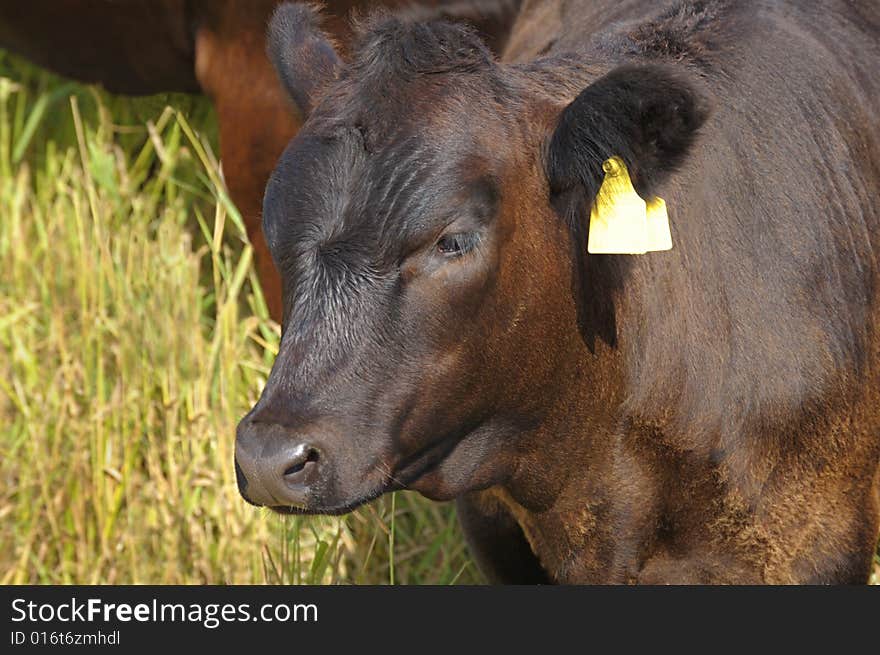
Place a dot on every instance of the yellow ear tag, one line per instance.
(618, 219)
(621, 222)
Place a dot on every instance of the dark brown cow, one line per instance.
(706, 414)
(139, 47)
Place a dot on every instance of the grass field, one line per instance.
(133, 336)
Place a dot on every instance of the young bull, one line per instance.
(707, 414)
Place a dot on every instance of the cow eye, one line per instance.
(455, 245)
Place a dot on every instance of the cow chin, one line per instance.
(330, 510)
(330, 502)
(458, 466)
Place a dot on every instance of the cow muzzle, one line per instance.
(278, 468)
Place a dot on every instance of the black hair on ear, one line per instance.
(302, 54)
(646, 114)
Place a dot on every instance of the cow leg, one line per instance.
(497, 542)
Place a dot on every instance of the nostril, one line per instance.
(301, 460)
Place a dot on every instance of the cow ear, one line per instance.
(302, 54)
(647, 115)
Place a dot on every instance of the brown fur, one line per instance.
(770, 480)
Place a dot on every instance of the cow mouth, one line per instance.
(408, 471)
(338, 510)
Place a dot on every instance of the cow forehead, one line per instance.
(343, 183)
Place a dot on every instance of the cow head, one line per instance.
(426, 222)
